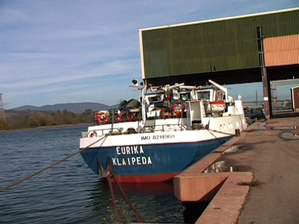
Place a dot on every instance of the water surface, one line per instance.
(69, 192)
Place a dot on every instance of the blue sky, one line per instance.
(88, 50)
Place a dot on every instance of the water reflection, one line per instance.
(154, 202)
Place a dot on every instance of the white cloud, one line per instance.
(64, 51)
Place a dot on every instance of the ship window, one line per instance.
(203, 95)
(151, 99)
(154, 99)
(220, 96)
(185, 96)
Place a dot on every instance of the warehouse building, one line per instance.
(251, 48)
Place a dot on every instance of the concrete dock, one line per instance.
(252, 179)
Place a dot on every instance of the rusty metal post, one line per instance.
(265, 81)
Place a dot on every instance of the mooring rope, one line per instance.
(137, 214)
(105, 137)
(49, 167)
(226, 133)
(215, 136)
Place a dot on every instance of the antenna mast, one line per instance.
(2, 111)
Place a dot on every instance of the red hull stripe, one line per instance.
(145, 178)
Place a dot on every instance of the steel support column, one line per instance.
(265, 79)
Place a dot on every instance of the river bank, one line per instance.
(48, 127)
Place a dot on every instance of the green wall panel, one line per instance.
(220, 45)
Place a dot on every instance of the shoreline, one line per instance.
(46, 127)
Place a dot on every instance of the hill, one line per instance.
(73, 107)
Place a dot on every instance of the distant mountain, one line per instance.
(73, 107)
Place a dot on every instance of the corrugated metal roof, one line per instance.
(212, 46)
(220, 19)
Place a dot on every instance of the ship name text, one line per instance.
(131, 156)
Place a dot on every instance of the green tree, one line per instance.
(37, 119)
(3, 125)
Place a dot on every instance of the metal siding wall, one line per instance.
(212, 46)
(282, 50)
(156, 52)
(280, 24)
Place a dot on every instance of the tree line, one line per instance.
(43, 119)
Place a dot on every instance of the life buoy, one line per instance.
(218, 106)
(102, 118)
(122, 117)
(130, 116)
(165, 113)
(92, 134)
(178, 109)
